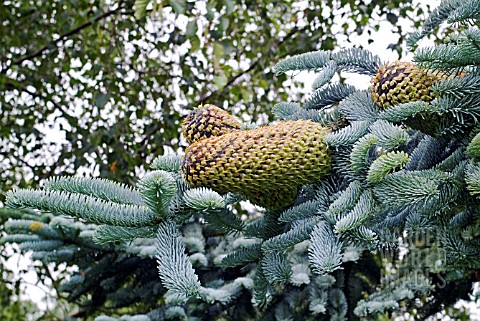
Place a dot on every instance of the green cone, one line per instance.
(402, 82)
(206, 121)
(265, 165)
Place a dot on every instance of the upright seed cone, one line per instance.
(265, 165)
(402, 82)
(206, 121)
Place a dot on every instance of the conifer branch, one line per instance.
(363, 210)
(465, 11)
(276, 268)
(300, 212)
(175, 269)
(108, 234)
(19, 238)
(325, 75)
(325, 251)
(307, 61)
(203, 199)
(224, 220)
(286, 110)
(96, 187)
(40, 245)
(157, 189)
(385, 164)
(261, 290)
(389, 135)
(359, 157)
(347, 135)
(168, 163)
(346, 199)
(82, 206)
(61, 255)
(472, 178)
(299, 233)
(420, 189)
(403, 111)
(359, 106)
(241, 256)
(33, 226)
(459, 87)
(357, 60)
(329, 95)
(438, 16)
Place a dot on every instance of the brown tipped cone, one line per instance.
(260, 164)
(206, 121)
(402, 82)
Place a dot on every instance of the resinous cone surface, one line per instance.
(401, 82)
(260, 162)
(206, 121)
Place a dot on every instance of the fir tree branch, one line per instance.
(276, 268)
(34, 226)
(346, 199)
(307, 61)
(419, 189)
(465, 11)
(325, 75)
(439, 15)
(325, 251)
(241, 256)
(203, 199)
(96, 187)
(286, 110)
(357, 60)
(385, 164)
(472, 178)
(157, 189)
(459, 87)
(363, 210)
(359, 106)
(347, 135)
(328, 95)
(107, 234)
(401, 112)
(299, 212)
(168, 163)
(175, 269)
(40, 245)
(299, 233)
(361, 149)
(82, 206)
(389, 135)
(224, 220)
(261, 289)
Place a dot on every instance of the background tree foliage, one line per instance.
(100, 87)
